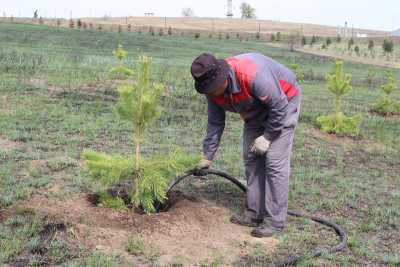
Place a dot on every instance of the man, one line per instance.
(267, 96)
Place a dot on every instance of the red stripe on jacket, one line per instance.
(245, 71)
(289, 89)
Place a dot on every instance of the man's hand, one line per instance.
(260, 146)
(202, 167)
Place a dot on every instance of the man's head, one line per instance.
(210, 74)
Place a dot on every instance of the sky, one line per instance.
(369, 14)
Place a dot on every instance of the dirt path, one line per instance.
(193, 231)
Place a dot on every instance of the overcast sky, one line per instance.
(371, 14)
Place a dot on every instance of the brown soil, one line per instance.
(193, 231)
(349, 142)
(7, 145)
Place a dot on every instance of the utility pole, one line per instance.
(229, 13)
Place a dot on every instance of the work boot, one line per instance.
(266, 230)
(246, 220)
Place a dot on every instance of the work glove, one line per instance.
(260, 146)
(202, 167)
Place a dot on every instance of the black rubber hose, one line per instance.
(293, 259)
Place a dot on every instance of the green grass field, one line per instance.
(56, 99)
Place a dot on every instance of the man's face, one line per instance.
(220, 90)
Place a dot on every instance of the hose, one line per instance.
(292, 260)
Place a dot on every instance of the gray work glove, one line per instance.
(260, 145)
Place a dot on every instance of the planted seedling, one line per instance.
(386, 105)
(339, 84)
(147, 179)
(121, 71)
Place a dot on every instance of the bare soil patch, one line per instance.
(193, 231)
(349, 142)
(7, 145)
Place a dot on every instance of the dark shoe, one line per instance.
(246, 220)
(266, 230)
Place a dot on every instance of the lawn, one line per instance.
(57, 99)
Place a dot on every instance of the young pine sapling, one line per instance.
(339, 84)
(139, 105)
(120, 71)
(386, 105)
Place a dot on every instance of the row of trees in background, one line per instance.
(293, 39)
(351, 46)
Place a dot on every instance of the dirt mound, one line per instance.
(193, 231)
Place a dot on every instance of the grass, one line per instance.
(57, 100)
(138, 247)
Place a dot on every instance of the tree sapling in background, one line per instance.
(338, 123)
(386, 105)
(121, 72)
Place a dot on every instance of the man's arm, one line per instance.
(215, 128)
(266, 88)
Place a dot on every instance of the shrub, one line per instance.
(79, 24)
(120, 71)
(338, 123)
(169, 31)
(328, 41)
(151, 30)
(386, 105)
(272, 37)
(388, 47)
(129, 28)
(197, 35)
(161, 32)
(119, 28)
(298, 71)
(258, 35)
(313, 40)
(350, 44)
(303, 41)
(371, 45)
(370, 78)
(357, 50)
(278, 36)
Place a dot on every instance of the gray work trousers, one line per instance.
(268, 175)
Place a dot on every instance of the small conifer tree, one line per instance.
(298, 71)
(339, 84)
(139, 105)
(120, 71)
(386, 105)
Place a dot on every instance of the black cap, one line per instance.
(209, 73)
